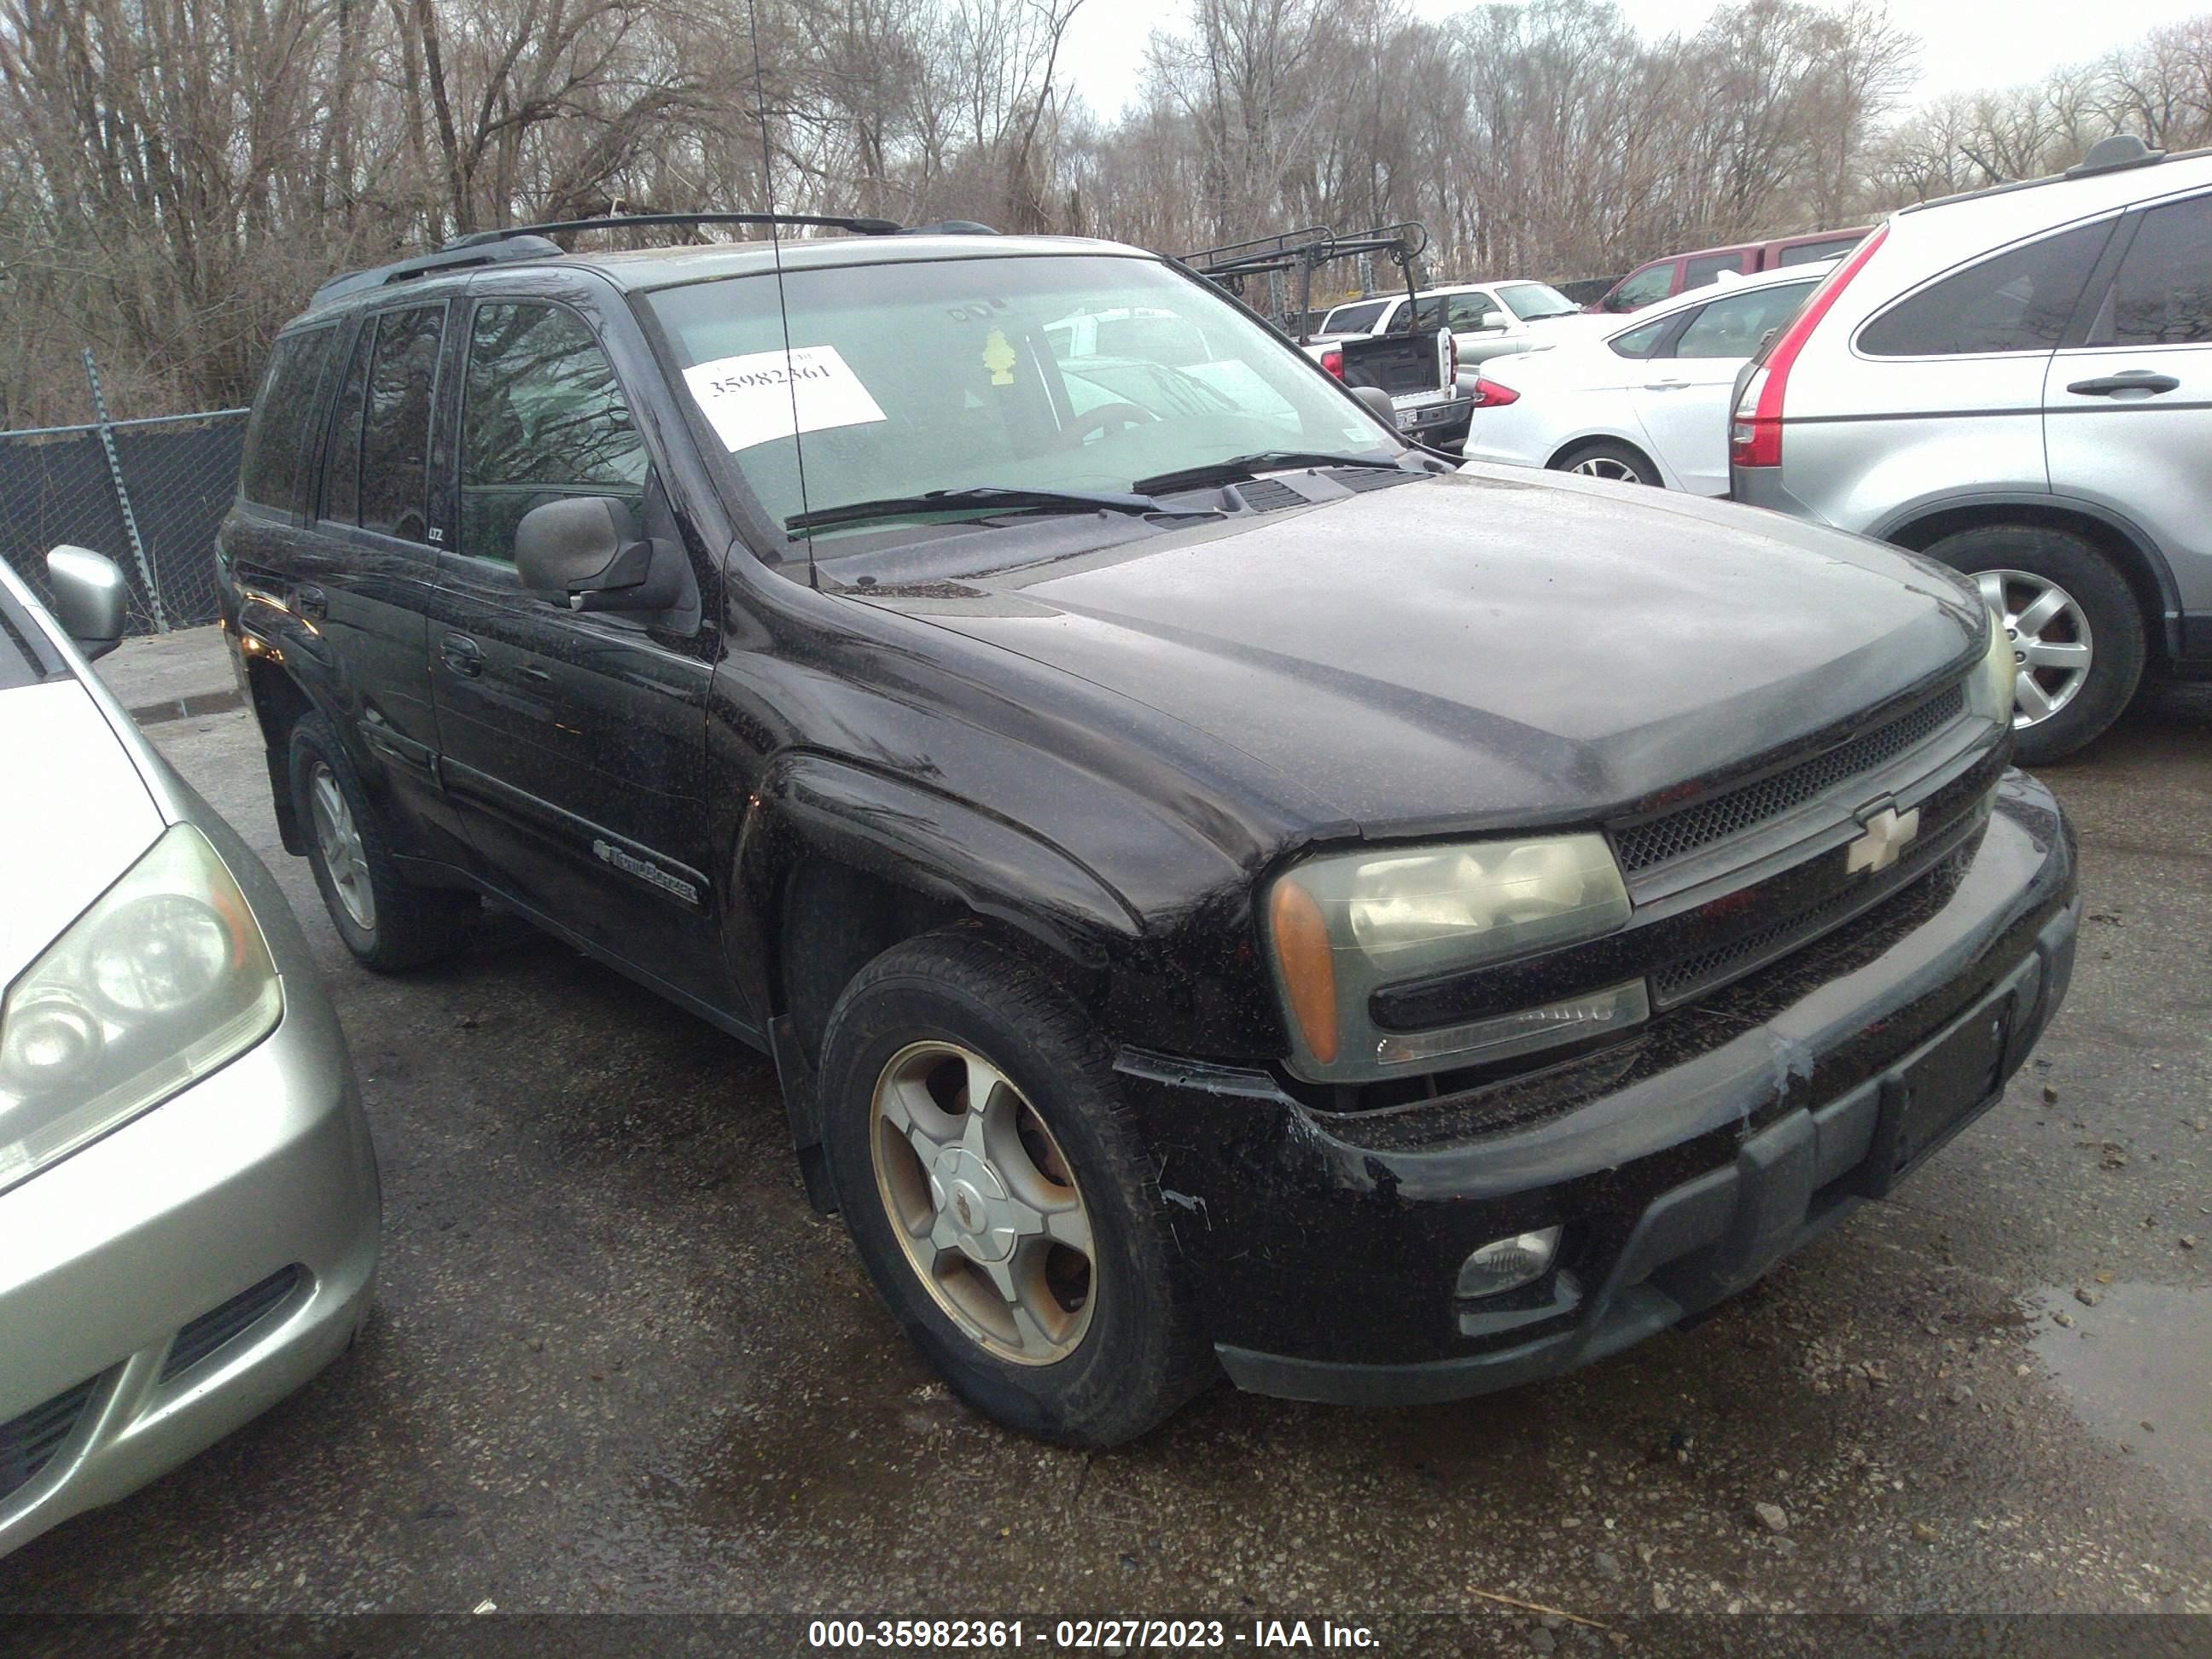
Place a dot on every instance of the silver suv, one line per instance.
(2018, 383)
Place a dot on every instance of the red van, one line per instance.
(1661, 278)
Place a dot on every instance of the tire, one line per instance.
(1622, 463)
(387, 924)
(2017, 564)
(1109, 1352)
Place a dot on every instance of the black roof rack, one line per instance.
(512, 242)
(2114, 153)
(449, 257)
(640, 221)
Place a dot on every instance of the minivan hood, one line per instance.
(1484, 647)
(78, 818)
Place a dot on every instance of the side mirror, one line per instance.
(1495, 319)
(91, 599)
(587, 550)
(1378, 403)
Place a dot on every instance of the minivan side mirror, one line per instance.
(91, 600)
(1495, 319)
(588, 549)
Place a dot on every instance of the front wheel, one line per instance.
(985, 1166)
(2076, 628)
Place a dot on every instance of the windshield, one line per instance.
(1530, 300)
(1060, 372)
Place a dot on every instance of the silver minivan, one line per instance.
(2019, 382)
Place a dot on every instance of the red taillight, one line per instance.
(1333, 360)
(1452, 374)
(1755, 439)
(1488, 394)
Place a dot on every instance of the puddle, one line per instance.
(2138, 1356)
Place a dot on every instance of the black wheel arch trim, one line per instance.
(2144, 546)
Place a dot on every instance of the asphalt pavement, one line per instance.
(618, 1365)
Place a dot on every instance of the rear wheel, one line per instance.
(985, 1166)
(386, 923)
(1618, 462)
(2076, 632)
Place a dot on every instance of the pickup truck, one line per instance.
(1487, 319)
(1417, 367)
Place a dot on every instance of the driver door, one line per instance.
(575, 743)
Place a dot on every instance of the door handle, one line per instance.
(538, 677)
(2131, 380)
(311, 602)
(462, 654)
(1665, 385)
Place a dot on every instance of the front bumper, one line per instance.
(168, 1283)
(1326, 1248)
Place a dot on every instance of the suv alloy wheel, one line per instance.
(2076, 630)
(974, 1130)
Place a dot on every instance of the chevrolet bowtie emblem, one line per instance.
(1888, 833)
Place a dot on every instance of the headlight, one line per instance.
(1990, 691)
(164, 979)
(1340, 928)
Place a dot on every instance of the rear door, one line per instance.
(358, 588)
(2128, 410)
(574, 742)
(1685, 395)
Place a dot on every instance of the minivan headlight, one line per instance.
(1342, 926)
(1990, 691)
(164, 979)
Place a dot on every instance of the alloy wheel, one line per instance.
(2052, 646)
(1607, 467)
(339, 838)
(983, 1202)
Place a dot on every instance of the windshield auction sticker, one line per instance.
(766, 395)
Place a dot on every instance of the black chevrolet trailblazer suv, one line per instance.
(1222, 890)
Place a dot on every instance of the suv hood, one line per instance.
(1481, 648)
(85, 819)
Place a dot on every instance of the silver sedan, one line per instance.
(188, 1197)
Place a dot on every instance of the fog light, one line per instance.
(1506, 1264)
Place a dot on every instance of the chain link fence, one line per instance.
(147, 494)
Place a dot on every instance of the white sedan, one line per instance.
(1646, 402)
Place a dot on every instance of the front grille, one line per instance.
(28, 1442)
(219, 1325)
(1646, 846)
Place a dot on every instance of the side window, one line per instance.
(542, 417)
(1353, 319)
(1699, 273)
(1806, 253)
(2164, 293)
(1429, 312)
(1734, 327)
(1653, 282)
(342, 476)
(395, 428)
(277, 434)
(1466, 311)
(1641, 342)
(2018, 300)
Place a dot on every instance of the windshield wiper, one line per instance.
(1247, 466)
(999, 497)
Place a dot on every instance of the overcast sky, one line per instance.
(1965, 44)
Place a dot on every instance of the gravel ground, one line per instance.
(619, 1366)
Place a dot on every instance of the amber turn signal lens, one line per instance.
(1309, 967)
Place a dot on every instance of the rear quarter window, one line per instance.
(2020, 299)
(276, 432)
